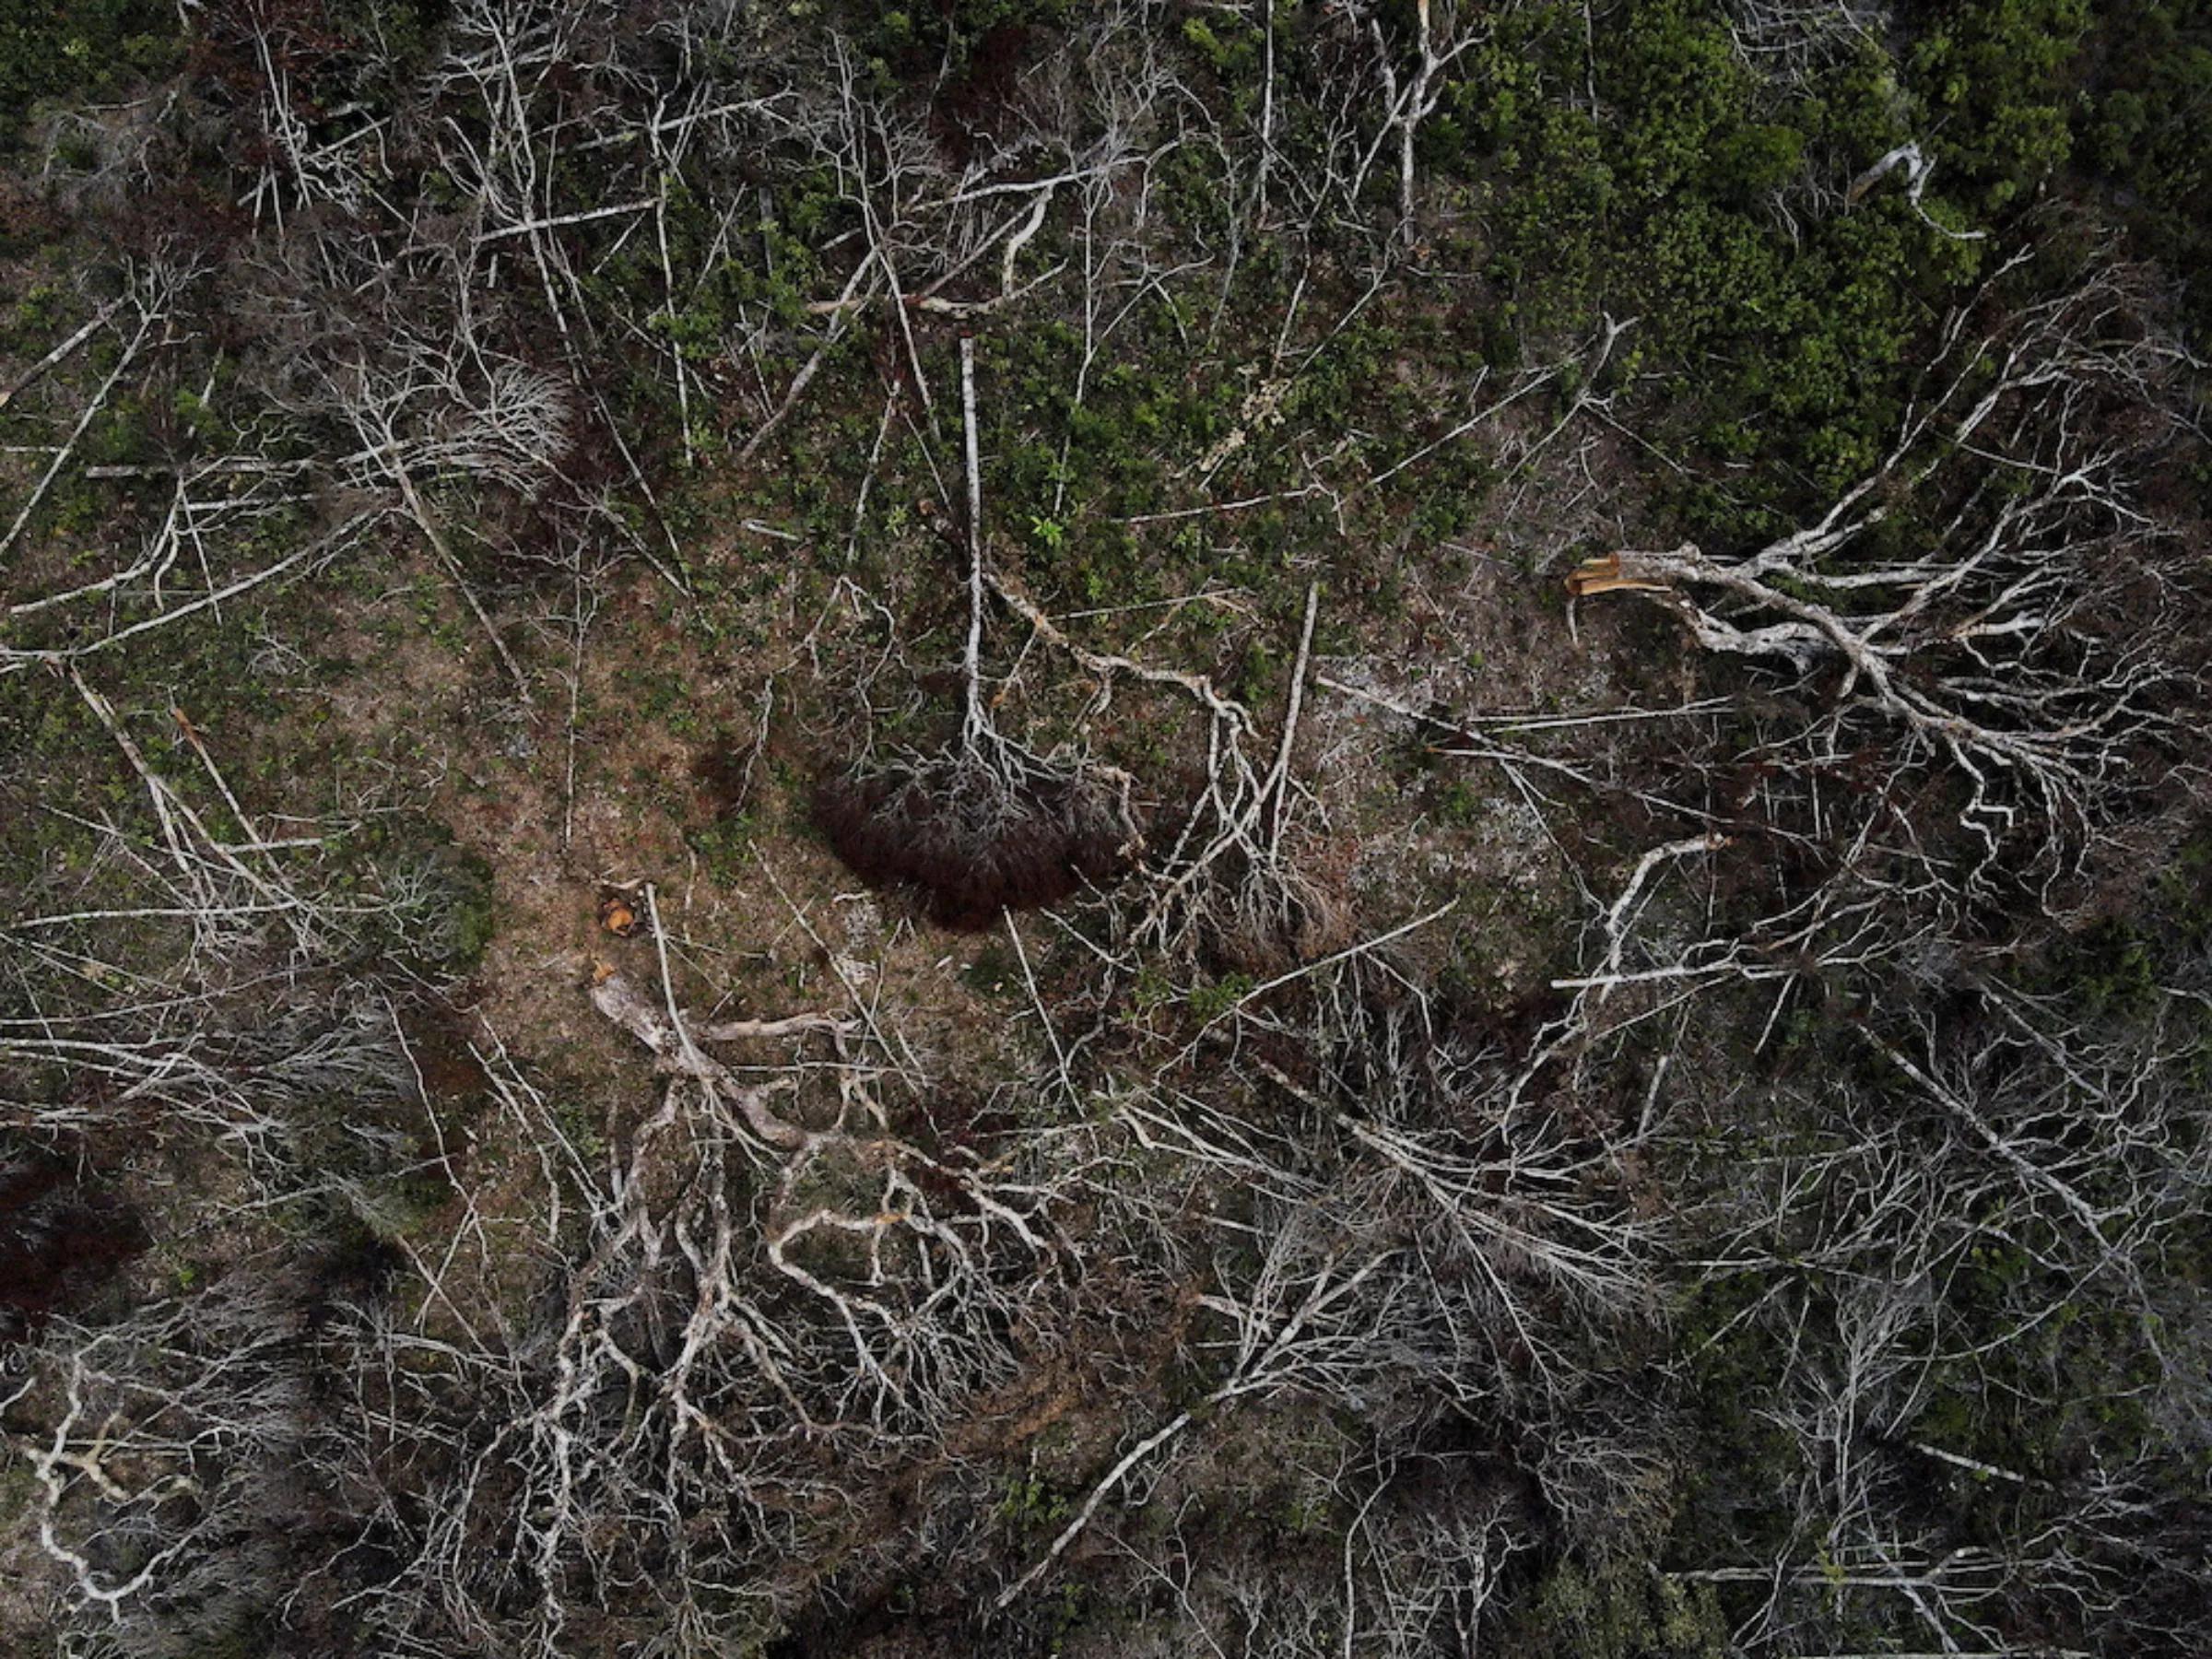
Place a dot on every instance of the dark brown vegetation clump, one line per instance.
(58, 1245)
(725, 777)
(976, 834)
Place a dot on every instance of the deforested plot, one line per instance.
(1267, 829)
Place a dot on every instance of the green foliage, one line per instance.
(1228, 47)
(1210, 1001)
(2108, 970)
(2142, 120)
(995, 971)
(1991, 72)
(1033, 1503)
(1693, 212)
(580, 1126)
(724, 848)
(932, 40)
(426, 901)
(2112, 973)
(1617, 1610)
(1685, 94)
(76, 49)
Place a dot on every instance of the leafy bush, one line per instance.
(76, 49)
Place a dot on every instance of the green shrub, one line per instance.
(74, 48)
